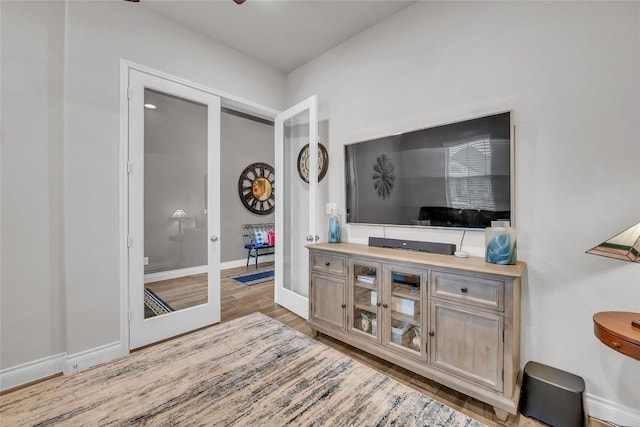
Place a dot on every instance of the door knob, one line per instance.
(214, 238)
(309, 238)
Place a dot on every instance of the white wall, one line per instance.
(60, 200)
(31, 303)
(571, 73)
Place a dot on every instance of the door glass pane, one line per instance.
(406, 316)
(296, 206)
(365, 299)
(175, 205)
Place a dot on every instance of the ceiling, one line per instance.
(282, 33)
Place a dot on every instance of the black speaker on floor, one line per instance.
(552, 396)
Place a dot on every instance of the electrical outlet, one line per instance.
(146, 260)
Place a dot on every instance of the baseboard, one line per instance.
(174, 274)
(89, 358)
(59, 363)
(612, 412)
(243, 262)
(32, 371)
(183, 272)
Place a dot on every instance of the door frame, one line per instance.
(227, 100)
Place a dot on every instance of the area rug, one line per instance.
(154, 305)
(254, 278)
(251, 371)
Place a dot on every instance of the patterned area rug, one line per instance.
(249, 371)
(255, 277)
(154, 305)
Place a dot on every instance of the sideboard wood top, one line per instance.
(475, 264)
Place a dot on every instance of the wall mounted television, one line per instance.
(456, 175)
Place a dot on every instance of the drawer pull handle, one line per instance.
(378, 304)
(615, 344)
(385, 305)
(431, 333)
(327, 263)
(464, 290)
(344, 305)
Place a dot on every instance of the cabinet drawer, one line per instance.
(618, 344)
(325, 263)
(476, 291)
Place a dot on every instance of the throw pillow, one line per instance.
(259, 240)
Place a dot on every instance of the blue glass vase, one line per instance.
(500, 242)
(334, 228)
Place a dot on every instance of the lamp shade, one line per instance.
(624, 246)
(179, 214)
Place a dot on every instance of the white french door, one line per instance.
(173, 208)
(295, 204)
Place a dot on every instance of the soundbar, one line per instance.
(413, 245)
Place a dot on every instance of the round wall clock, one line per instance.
(303, 162)
(256, 188)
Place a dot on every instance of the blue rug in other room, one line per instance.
(255, 277)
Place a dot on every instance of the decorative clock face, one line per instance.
(383, 176)
(256, 188)
(303, 162)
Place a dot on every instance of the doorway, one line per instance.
(245, 140)
(138, 83)
(179, 259)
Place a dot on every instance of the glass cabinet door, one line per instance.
(404, 310)
(365, 298)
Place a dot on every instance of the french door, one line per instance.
(295, 203)
(173, 201)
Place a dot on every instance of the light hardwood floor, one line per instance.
(238, 300)
(183, 292)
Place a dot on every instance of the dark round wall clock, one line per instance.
(303, 162)
(256, 188)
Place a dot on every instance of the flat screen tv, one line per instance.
(455, 175)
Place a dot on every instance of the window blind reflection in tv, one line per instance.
(454, 175)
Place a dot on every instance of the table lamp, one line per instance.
(624, 246)
(179, 215)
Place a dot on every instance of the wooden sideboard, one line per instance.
(453, 320)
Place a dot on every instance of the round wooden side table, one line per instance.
(614, 329)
